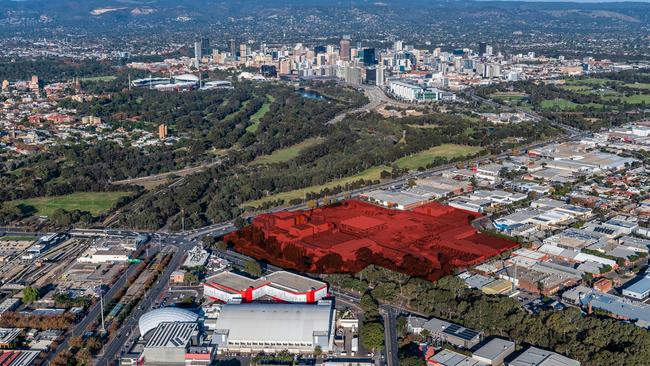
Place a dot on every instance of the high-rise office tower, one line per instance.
(398, 45)
(380, 76)
(205, 46)
(243, 51)
(369, 56)
(344, 53)
(233, 48)
(285, 66)
(162, 131)
(320, 49)
(34, 85)
(197, 54)
(482, 48)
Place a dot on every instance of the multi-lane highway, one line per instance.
(91, 316)
(129, 329)
(390, 335)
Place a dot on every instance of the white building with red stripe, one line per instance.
(282, 286)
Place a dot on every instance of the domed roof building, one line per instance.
(152, 319)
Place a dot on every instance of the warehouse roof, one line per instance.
(274, 322)
(172, 334)
(451, 358)
(641, 286)
(539, 357)
(494, 349)
(18, 357)
(280, 279)
(436, 325)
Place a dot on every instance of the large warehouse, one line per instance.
(271, 328)
(282, 286)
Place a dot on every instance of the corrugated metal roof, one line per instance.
(274, 322)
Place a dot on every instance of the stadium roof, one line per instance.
(186, 77)
(152, 319)
(274, 322)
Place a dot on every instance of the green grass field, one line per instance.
(590, 81)
(409, 162)
(286, 154)
(106, 78)
(561, 104)
(93, 202)
(576, 88)
(423, 126)
(257, 117)
(235, 113)
(641, 86)
(423, 158)
(508, 97)
(637, 99)
(566, 105)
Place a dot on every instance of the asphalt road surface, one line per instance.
(113, 349)
(390, 335)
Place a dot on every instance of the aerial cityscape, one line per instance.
(324, 182)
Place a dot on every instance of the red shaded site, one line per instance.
(430, 241)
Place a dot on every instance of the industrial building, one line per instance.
(270, 328)
(534, 356)
(8, 336)
(639, 290)
(445, 331)
(18, 357)
(450, 358)
(494, 352)
(405, 199)
(618, 307)
(282, 286)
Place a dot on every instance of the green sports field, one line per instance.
(93, 202)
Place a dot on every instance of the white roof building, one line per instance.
(539, 357)
(270, 328)
(152, 319)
